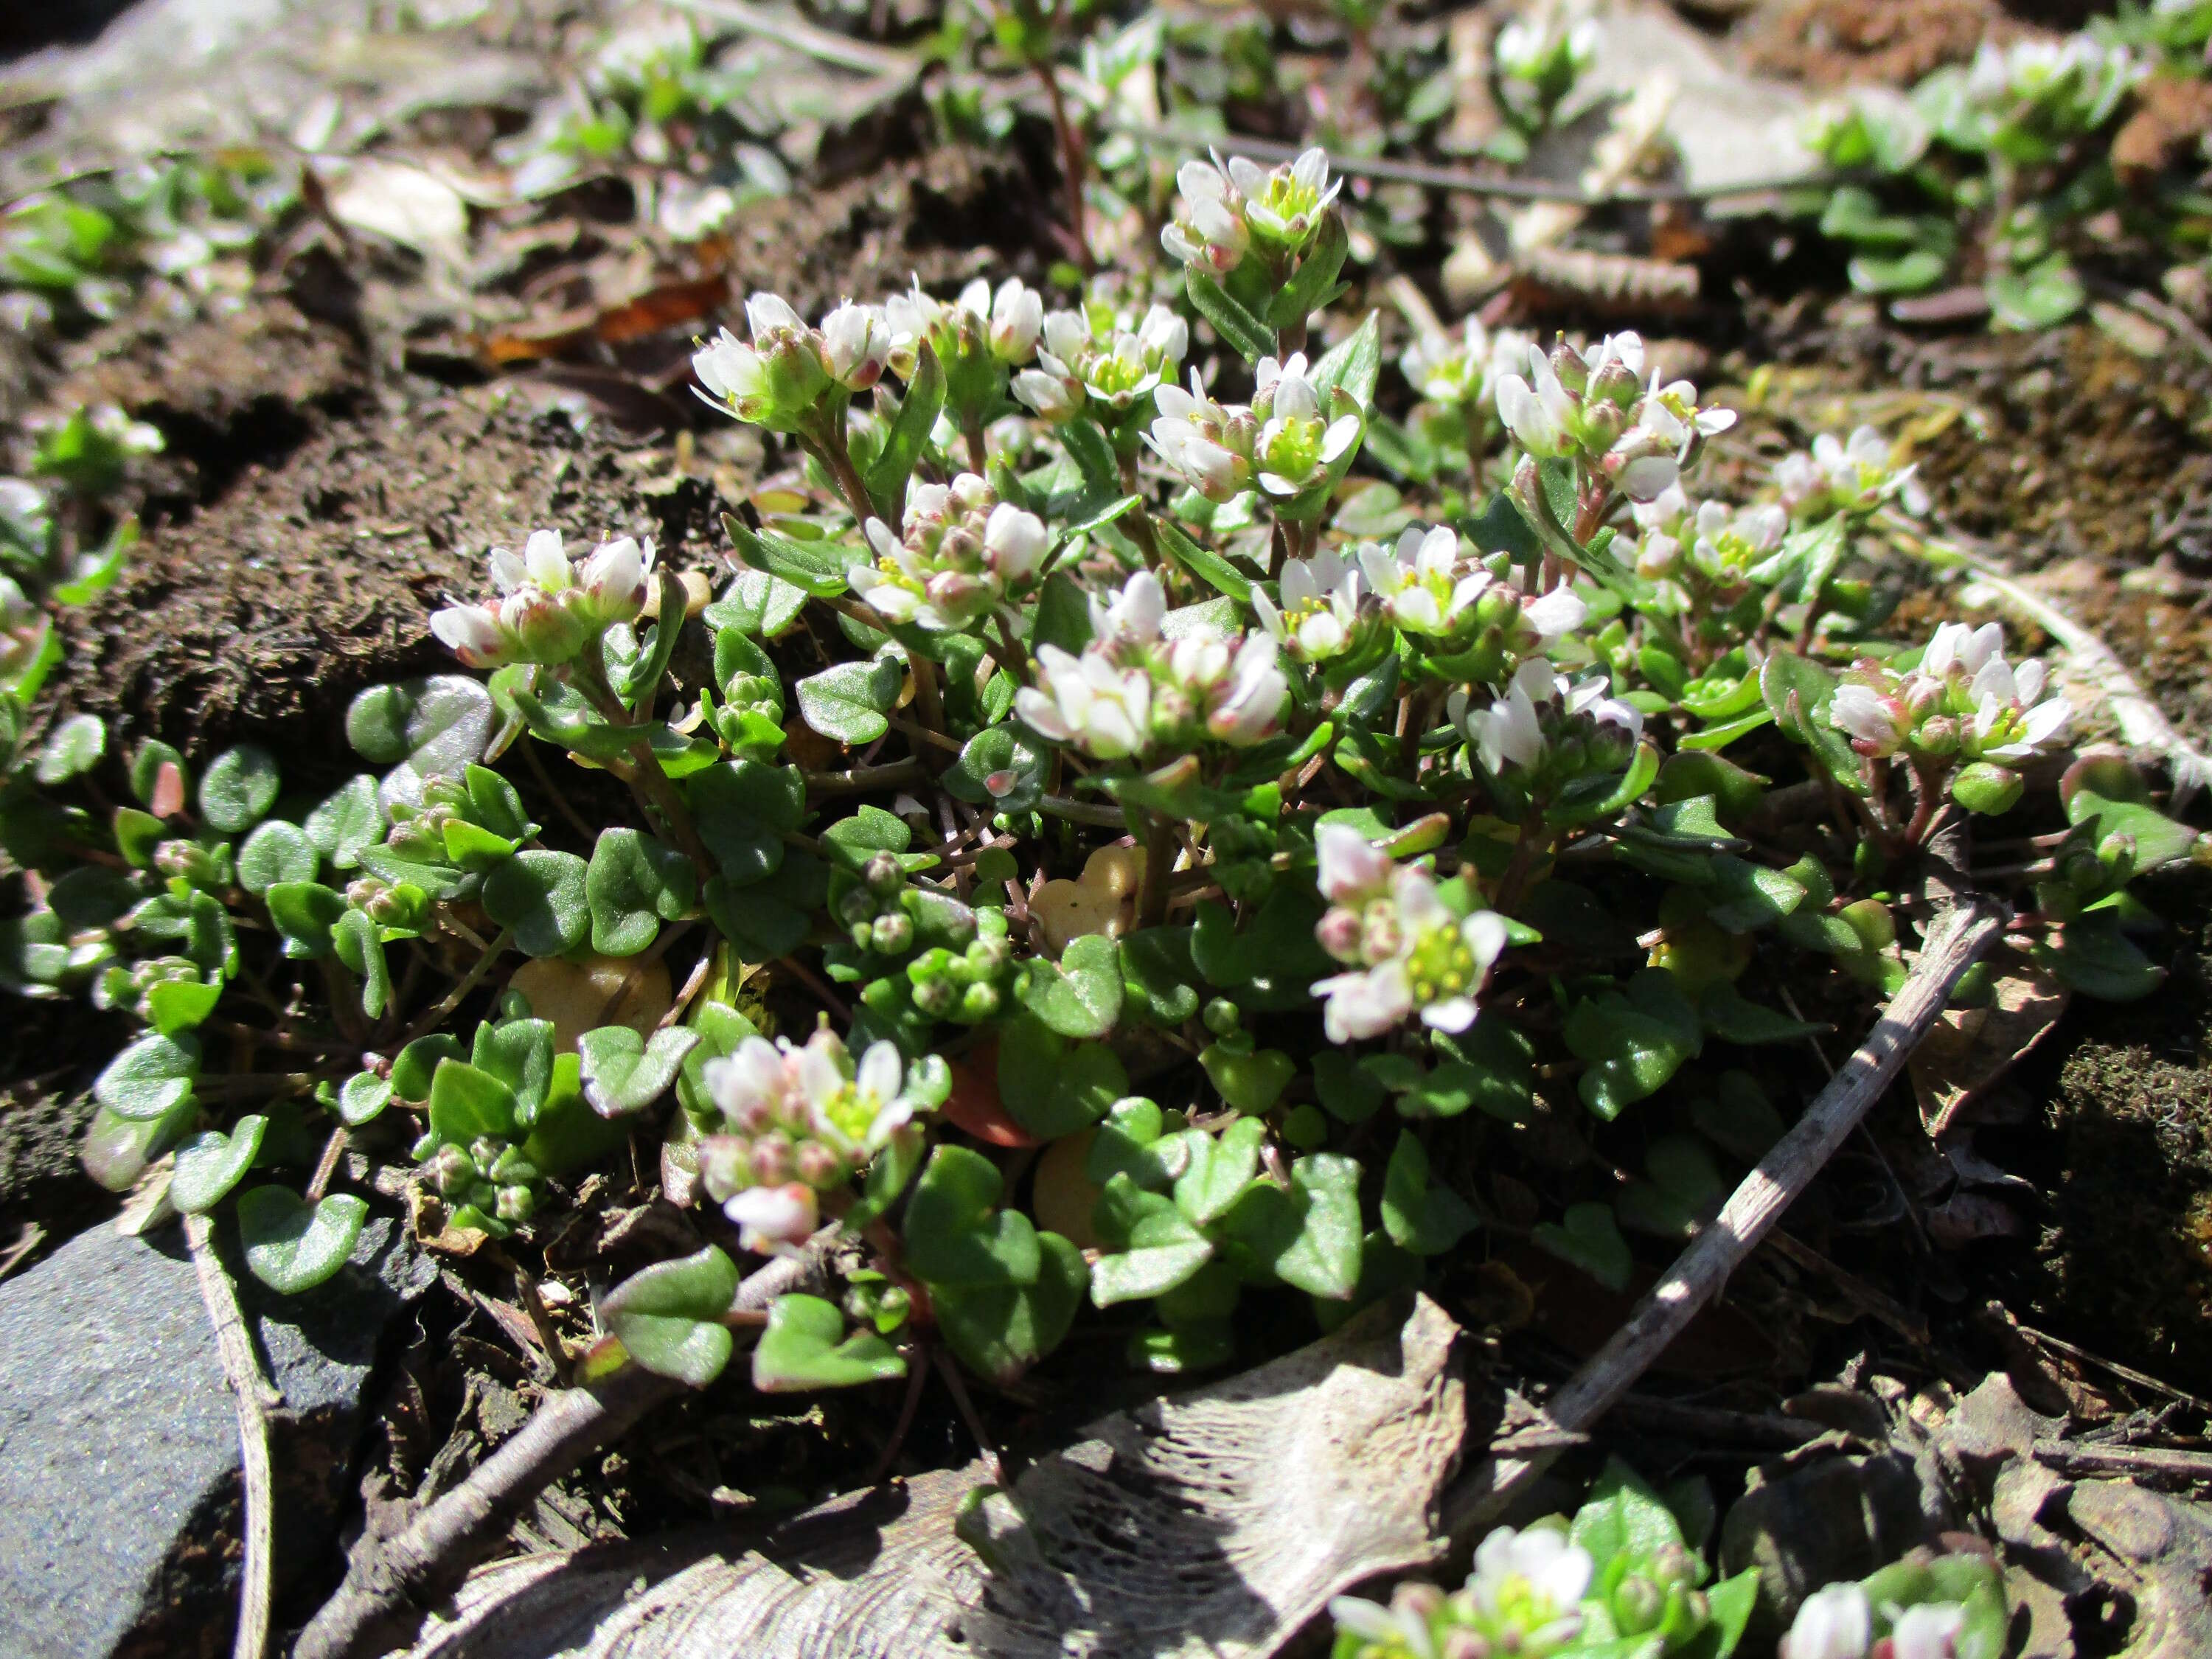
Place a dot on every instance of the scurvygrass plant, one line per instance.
(1172, 859)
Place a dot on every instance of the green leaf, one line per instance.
(1051, 1087)
(1798, 693)
(815, 570)
(1427, 1219)
(363, 1098)
(1219, 1170)
(1157, 976)
(1733, 1017)
(1249, 1081)
(467, 1102)
(415, 1067)
(633, 884)
(149, 1078)
(756, 604)
(149, 763)
(623, 1073)
(275, 851)
(955, 1234)
(292, 1246)
(1622, 1515)
(177, 1004)
(998, 758)
(1152, 1245)
(999, 1332)
(1080, 996)
(239, 785)
(1588, 1238)
(637, 682)
(1314, 284)
(887, 474)
(847, 700)
(1354, 363)
(211, 1163)
(2112, 800)
(73, 748)
(1633, 1043)
(360, 948)
(669, 1316)
(1241, 329)
(804, 1346)
(1204, 563)
(420, 728)
(520, 1054)
(1745, 896)
(2092, 956)
(2043, 295)
(1728, 1607)
(543, 896)
(1309, 1236)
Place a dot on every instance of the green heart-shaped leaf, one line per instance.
(275, 851)
(150, 1078)
(466, 1103)
(1420, 1217)
(178, 1005)
(349, 820)
(239, 785)
(542, 896)
(1588, 1237)
(1220, 1168)
(1050, 1086)
(669, 1316)
(291, 1246)
(1153, 1246)
(623, 1073)
(211, 1163)
(955, 1234)
(1000, 1332)
(847, 700)
(75, 748)
(1081, 995)
(804, 1346)
(633, 884)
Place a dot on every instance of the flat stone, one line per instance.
(120, 1482)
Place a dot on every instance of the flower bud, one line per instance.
(1637, 1603)
(772, 1160)
(814, 1164)
(515, 1204)
(892, 932)
(938, 998)
(1422, 1601)
(726, 1164)
(1463, 1643)
(1222, 1017)
(857, 909)
(451, 1171)
(979, 1002)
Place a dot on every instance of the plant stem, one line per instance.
(1017, 661)
(647, 782)
(1160, 865)
(1072, 162)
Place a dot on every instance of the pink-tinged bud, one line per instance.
(1382, 935)
(1339, 932)
(774, 1218)
(817, 1165)
(614, 578)
(772, 1160)
(472, 633)
(725, 1164)
(545, 629)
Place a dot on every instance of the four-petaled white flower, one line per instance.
(1538, 410)
(1834, 1623)
(856, 344)
(1875, 724)
(798, 1110)
(1209, 443)
(1406, 949)
(1393, 1629)
(1840, 476)
(1210, 233)
(1295, 447)
(1511, 732)
(1320, 605)
(2009, 722)
(1114, 364)
(1102, 708)
(1531, 1582)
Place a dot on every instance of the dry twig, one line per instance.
(1957, 942)
(398, 1573)
(254, 1398)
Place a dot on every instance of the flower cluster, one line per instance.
(1838, 1622)
(781, 379)
(1408, 949)
(1964, 701)
(1320, 607)
(1457, 374)
(2025, 98)
(1132, 689)
(1838, 475)
(803, 1119)
(1705, 553)
(964, 553)
(1523, 1598)
(1547, 730)
(1288, 442)
(1598, 409)
(1229, 208)
(548, 608)
(976, 335)
(1103, 357)
(1429, 586)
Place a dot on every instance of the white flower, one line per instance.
(1874, 723)
(774, 1218)
(1245, 707)
(1210, 444)
(1406, 949)
(1539, 411)
(472, 633)
(615, 575)
(1509, 731)
(1103, 710)
(1834, 1623)
(1211, 233)
(2005, 727)
(1017, 315)
(1421, 581)
(1320, 604)
(1546, 1568)
(1389, 1628)
(1929, 1630)
(730, 370)
(1963, 646)
(1285, 205)
(857, 343)
(964, 552)
(1133, 615)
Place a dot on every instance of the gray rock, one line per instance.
(119, 1441)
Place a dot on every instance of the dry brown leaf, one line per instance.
(1354, 1437)
(1970, 1049)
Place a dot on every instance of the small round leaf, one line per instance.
(541, 894)
(212, 1163)
(275, 851)
(291, 1246)
(239, 787)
